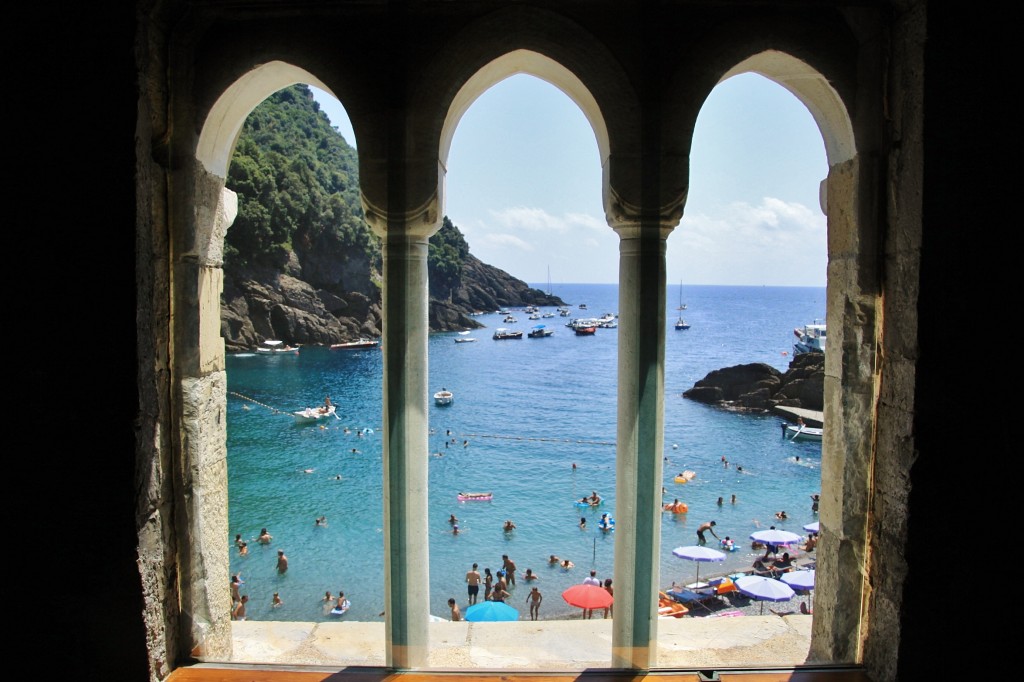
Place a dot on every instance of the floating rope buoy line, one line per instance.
(256, 402)
(540, 440)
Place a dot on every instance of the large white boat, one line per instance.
(272, 346)
(810, 338)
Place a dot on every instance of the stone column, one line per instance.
(639, 440)
(406, 583)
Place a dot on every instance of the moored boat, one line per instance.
(443, 397)
(680, 322)
(801, 432)
(502, 333)
(810, 338)
(311, 415)
(474, 497)
(356, 345)
(539, 332)
(272, 346)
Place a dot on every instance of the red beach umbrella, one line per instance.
(587, 597)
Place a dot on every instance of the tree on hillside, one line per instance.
(447, 253)
(297, 184)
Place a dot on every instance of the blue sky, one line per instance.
(524, 187)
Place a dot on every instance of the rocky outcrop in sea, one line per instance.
(758, 387)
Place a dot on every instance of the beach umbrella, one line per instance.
(491, 611)
(811, 527)
(587, 597)
(698, 554)
(775, 537)
(800, 580)
(764, 589)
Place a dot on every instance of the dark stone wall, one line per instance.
(71, 562)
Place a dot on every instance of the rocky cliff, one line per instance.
(330, 295)
(757, 387)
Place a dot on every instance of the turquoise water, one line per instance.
(527, 409)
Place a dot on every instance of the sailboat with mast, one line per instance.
(680, 322)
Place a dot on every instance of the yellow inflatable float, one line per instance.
(685, 476)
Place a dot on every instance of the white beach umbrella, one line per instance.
(698, 553)
(811, 527)
(800, 580)
(775, 537)
(764, 589)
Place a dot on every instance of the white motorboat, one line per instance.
(443, 397)
(311, 415)
(809, 339)
(464, 338)
(801, 432)
(356, 345)
(273, 346)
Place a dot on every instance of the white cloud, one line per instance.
(588, 221)
(774, 242)
(531, 219)
(504, 240)
(539, 220)
(772, 220)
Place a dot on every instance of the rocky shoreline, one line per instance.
(304, 305)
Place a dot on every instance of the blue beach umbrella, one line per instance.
(491, 611)
(812, 527)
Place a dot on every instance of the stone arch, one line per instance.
(821, 99)
(224, 122)
(505, 42)
(852, 377)
(524, 62)
(209, 208)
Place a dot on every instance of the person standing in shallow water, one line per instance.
(488, 583)
(534, 599)
(239, 612)
(707, 526)
(282, 561)
(473, 584)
